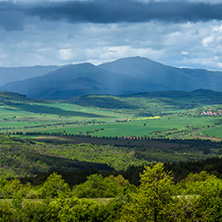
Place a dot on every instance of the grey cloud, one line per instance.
(106, 11)
(127, 11)
(11, 17)
(12, 20)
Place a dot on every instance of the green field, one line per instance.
(168, 126)
(112, 116)
(23, 117)
(213, 132)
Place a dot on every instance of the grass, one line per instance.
(23, 117)
(147, 127)
(213, 132)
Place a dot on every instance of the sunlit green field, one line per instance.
(27, 116)
(66, 118)
(213, 132)
(149, 127)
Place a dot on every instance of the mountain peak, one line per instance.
(121, 77)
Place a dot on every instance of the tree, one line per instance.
(73, 209)
(151, 201)
(210, 200)
(96, 186)
(54, 186)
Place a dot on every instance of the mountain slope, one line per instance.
(71, 81)
(208, 79)
(21, 73)
(121, 77)
(169, 77)
(148, 71)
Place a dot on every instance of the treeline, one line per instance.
(22, 158)
(198, 197)
(179, 171)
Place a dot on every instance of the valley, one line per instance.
(97, 148)
(154, 116)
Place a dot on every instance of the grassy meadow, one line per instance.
(167, 127)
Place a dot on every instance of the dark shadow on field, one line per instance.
(53, 110)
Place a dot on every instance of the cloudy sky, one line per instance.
(182, 33)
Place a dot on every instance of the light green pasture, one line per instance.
(213, 132)
(139, 127)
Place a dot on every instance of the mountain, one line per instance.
(167, 78)
(70, 81)
(121, 77)
(208, 79)
(21, 73)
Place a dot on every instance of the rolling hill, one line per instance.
(15, 98)
(121, 77)
(152, 101)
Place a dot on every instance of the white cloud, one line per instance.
(185, 53)
(206, 41)
(66, 54)
(217, 28)
(115, 52)
(182, 45)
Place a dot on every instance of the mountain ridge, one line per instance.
(121, 77)
(22, 73)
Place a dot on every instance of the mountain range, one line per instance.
(7, 74)
(121, 77)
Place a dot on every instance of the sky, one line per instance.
(182, 33)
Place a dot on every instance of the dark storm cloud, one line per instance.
(11, 17)
(12, 14)
(127, 11)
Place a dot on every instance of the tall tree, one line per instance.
(151, 201)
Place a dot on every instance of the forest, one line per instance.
(113, 198)
(44, 182)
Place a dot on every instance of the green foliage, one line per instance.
(36, 212)
(96, 186)
(13, 189)
(194, 183)
(73, 209)
(155, 199)
(151, 201)
(210, 200)
(20, 158)
(54, 187)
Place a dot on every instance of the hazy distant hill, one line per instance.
(152, 100)
(21, 73)
(9, 97)
(121, 77)
(208, 79)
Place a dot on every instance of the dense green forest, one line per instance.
(157, 198)
(44, 182)
(25, 158)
